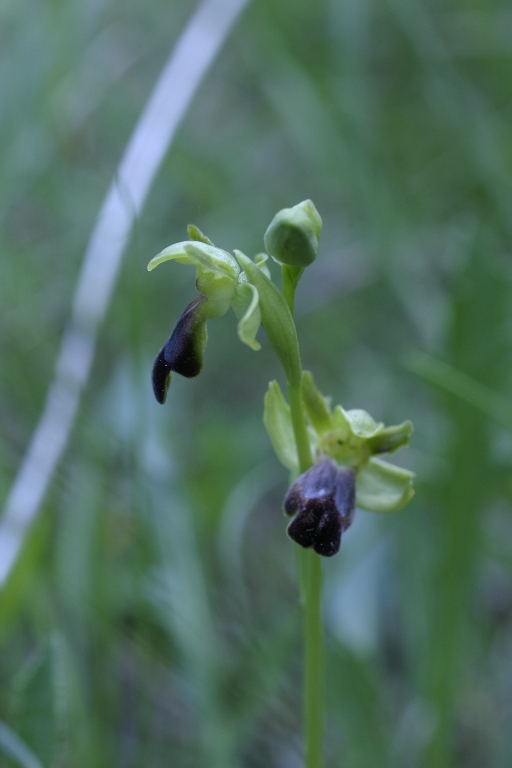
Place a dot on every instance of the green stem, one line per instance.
(299, 428)
(313, 659)
(289, 287)
(290, 277)
(310, 567)
(311, 588)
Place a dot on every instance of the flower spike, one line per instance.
(333, 454)
(345, 446)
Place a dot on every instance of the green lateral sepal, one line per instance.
(382, 487)
(390, 439)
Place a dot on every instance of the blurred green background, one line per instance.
(153, 618)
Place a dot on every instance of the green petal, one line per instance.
(247, 309)
(382, 487)
(278, 423)
(362, 424)
(391, 438)
(276, 319)
(316, 405)
(195, 233)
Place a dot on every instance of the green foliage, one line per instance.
(278, 423)
(159, 561)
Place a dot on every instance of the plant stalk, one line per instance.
(313, 659)
(310, 567)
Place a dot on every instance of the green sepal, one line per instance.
(315, 404)
(217, 271)
(355, 436)
(382, 487)
(390, 439)
(217, 280)
(246, 307)
(278, 423)
(199, 254)
(362, 424)
(195, 233)
(341, 424)
(276, 319)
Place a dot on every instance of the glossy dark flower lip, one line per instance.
(183, 351)
(322, 501)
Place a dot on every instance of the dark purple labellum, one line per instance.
(323, 502)
(183, 351)
(161, 377)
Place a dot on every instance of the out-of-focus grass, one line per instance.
(153, 617)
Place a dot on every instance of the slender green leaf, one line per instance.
(316, 405)
(276, 318)
(278, 423)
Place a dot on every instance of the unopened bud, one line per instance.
(293, 235)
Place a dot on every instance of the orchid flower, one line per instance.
(349, 440)
(221, 284)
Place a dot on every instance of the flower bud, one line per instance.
(322, 501)
(293, 235)
(183, 351)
